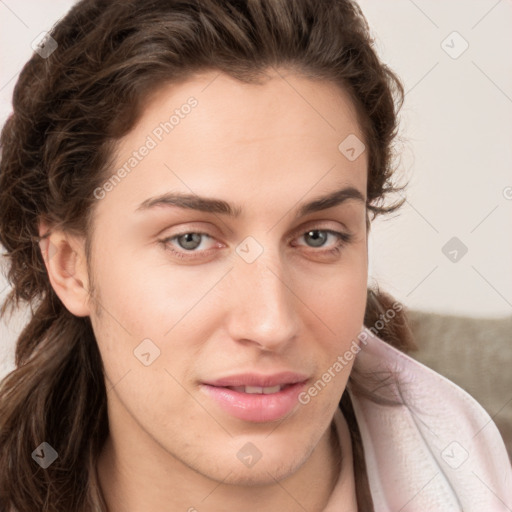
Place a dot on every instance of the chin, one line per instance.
(262, 473)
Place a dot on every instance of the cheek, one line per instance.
(341, 309)
(141, 297)
(339, 306)
(141, 302)
(339, 296)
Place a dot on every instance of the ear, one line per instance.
(64, 257)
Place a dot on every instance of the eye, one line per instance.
(318, 237)
(188, 242)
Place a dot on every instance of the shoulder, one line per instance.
(438, 449)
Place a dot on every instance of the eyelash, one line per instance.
(343, 239)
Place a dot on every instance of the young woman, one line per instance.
(186, 192)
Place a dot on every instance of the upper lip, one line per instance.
(255, 379)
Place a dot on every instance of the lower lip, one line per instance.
(256, 407)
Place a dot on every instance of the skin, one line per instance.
(266, 147)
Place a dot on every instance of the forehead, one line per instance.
(227, 106)
(215, 135)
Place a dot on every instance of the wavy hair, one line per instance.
(69, 109)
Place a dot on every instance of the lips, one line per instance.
(256, 398)
(258, 380)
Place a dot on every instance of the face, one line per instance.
(189, 303)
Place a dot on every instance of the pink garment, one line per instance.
(440, 453)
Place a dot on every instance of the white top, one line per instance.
(440, 452)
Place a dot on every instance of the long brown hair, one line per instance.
(70, 106)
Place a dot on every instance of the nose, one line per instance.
(263, 306)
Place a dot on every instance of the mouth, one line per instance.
(256, 404)
(259, 390)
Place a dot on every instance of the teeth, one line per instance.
(257, 389)
(268, 391)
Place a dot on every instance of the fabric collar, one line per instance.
(439, 451)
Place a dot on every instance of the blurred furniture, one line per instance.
(474, 353)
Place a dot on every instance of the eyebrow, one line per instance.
(213, 205)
